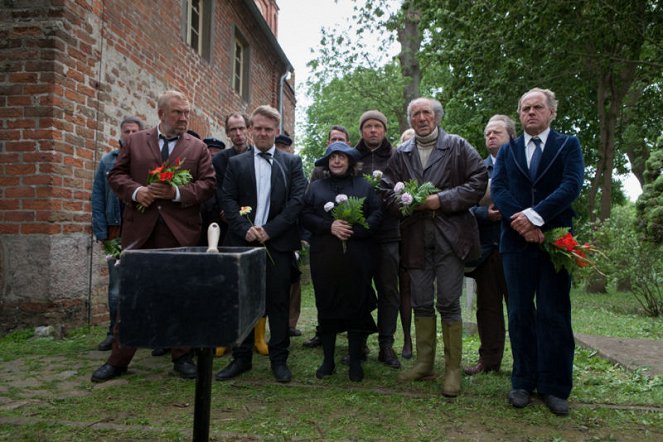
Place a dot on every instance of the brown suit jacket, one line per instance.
(140, 155)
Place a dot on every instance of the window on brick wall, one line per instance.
(240, 77)
(198, 26)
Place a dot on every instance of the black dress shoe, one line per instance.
(325, 370)
(281, 373)
(106, 344)
(107, 372)
(234, 369)
(480, 368)
(558, 406)
(160, 351)
(519, 398)
(388, 357)
(295, 332)
(356, 373)
(313, 342)
(185, 367)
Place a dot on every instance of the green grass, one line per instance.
(45, 394)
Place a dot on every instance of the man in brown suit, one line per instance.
(172, 214)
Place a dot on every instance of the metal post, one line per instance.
(201, 414)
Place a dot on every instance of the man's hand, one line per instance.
(535, 235)
(341, 229)
(144, 196)
(493, 213)
(521, 224)
(251, 234)
(263, 237)
(162, 191)
(432, 203)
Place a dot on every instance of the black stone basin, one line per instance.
(186, 297)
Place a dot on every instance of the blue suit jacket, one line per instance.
(557, 184)
(288, 185)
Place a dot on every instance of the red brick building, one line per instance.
(69, 71)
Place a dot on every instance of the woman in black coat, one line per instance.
(342, 257)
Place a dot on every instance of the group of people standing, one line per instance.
(459, 229)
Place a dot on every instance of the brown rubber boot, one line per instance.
(452, 334)
(426, 340)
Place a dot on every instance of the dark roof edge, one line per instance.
(268, 32)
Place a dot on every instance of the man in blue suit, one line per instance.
(536, 179)
(272, 183)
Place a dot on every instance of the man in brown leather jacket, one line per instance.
(439, 235)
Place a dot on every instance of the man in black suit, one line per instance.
(236, 125)
(272, 183)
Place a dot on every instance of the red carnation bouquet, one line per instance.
(565, 252)
(168, 174)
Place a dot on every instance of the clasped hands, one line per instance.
(146, 195)
(341, 229)
(256, 233)
(521, 224)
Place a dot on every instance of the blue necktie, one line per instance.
(536, 158)
(165, 153)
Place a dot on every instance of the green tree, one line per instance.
(650, 204)
(597, 55)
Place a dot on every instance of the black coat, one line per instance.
(342, 281)
(286, 196)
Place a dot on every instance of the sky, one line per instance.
(300, 24)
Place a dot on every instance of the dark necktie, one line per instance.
(267, 156)
(164, 149)
(536, 157)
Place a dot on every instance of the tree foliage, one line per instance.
(603, 59)
(650, 203)
(595, 54)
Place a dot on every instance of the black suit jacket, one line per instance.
(489, 231)
(288, 185)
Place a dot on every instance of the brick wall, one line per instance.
(70, 71)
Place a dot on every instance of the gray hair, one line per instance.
(164, 99)
(508, 123)
(129, 119)
(551, 101)
(409, 133)
(437, 108)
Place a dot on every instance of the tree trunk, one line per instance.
(410, 40)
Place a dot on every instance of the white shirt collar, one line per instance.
(271, 150)
(543, 136)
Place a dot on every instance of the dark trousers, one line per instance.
(386, 285)
(491, 290)
(121, 356)
(541, 337)
(277, 288)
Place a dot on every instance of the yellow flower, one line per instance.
(243, 211)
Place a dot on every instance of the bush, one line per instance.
(629, 260)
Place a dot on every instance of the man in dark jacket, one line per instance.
(107, 219)
(536, 179)
(273, 183)
(375, 151)
(488, 272)
(439, 235)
